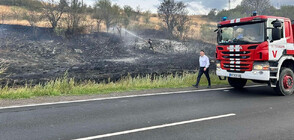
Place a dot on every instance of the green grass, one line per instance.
(68, 86)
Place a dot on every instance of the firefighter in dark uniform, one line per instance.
(150, 44)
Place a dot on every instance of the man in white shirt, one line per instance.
(204, 68)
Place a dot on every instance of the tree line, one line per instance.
(245, 9)
(173, 14)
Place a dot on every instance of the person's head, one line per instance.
(202, 53)
(240, 31)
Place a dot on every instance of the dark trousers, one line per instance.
(201, 71)
(151, 47)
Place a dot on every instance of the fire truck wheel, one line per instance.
(285, 85)
(237, 83)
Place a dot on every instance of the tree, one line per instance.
(129, 11)
(125, 20)
(118, 17)
(98, 16)
(74, 17)
(170, 12)
(182, 26)
(109, 13)
(54, 10)
(286, 11)
(137, 13)
(237, 12)
(212, 14)
(260, 6)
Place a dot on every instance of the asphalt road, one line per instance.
(252, 113)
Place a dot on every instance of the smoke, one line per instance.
(132, 34)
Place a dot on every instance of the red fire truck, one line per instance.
(258, 48)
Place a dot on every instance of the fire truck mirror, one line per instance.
(276, 34)
(277, 30)
(277, 24)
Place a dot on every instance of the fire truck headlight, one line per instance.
(257, 67)
(218, 65)
(261, 66)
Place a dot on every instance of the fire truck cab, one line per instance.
(258, 48)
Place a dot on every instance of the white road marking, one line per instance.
(155, 127)
(118, 97)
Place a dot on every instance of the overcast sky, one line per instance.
(198, 7)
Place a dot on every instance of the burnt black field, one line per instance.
(37, 55)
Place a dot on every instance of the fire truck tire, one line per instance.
(285, 85)
(237, 83)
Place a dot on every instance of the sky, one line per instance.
(195, 7)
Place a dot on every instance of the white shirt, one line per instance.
(204, 61)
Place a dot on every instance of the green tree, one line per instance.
(286, 11)
(212, 14)
(129, 11)
(109, 12)
(260, 6)
(238, 12)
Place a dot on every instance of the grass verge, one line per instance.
(68, 86)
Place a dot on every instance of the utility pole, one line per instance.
(229, 4)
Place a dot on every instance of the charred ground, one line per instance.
(37, 55)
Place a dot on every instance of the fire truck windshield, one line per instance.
(242, 34)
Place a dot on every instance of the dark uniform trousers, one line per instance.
(201, 71)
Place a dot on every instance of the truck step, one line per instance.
(273, 85)
(273, 82)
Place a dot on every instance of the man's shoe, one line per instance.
(209, 87)
(196, 86)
